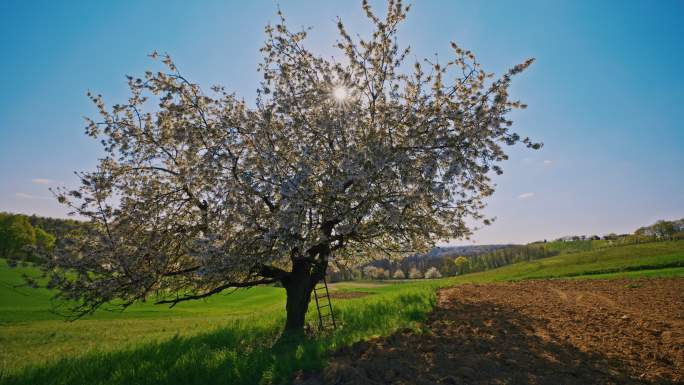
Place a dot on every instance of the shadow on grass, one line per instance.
(242, 353)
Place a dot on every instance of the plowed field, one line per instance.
(532, 332)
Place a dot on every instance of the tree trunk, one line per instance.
(298, 285)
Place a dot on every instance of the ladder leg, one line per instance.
(318, 308)
(327, 293)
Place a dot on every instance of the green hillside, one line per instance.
(20, 303)
(229, 338)
(648, 259)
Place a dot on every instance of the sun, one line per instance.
(340, 93)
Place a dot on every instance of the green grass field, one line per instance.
(658, 258)
(229, 339)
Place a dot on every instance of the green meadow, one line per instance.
(646, 259)
(233, 338)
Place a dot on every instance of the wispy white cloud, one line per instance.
(547, 161)
(42, 181)
(29, 196)
(526, 195)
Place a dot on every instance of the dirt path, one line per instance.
(535, 332)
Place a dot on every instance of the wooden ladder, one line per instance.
(320, 294)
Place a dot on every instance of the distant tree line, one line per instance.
(661, 230)
(667, 230)
(24, 238)
(503, 257)
(20, 240)
(59, 227)
(385, 269)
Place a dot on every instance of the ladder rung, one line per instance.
(323, 296)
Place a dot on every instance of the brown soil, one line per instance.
(348, 294)
(534, 332)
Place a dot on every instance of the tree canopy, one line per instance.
(349, 158)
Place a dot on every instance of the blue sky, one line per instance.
(605, 95)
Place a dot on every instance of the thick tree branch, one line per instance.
(181, 272)
(273, 272)
(215, 290)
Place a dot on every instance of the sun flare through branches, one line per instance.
(340, 94)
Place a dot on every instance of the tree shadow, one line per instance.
(479, 343)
